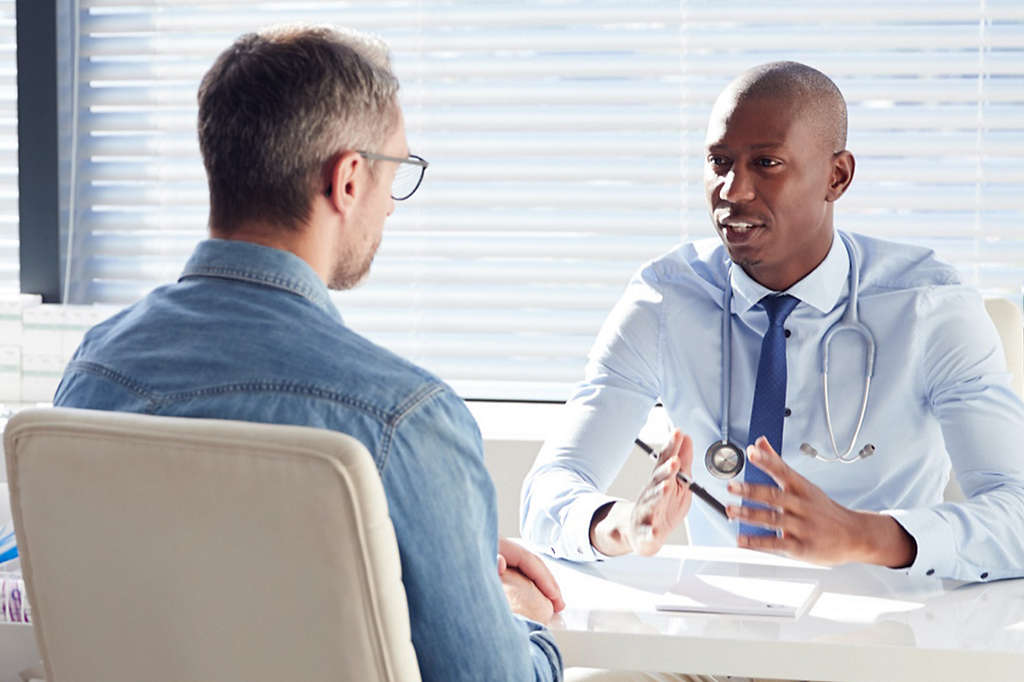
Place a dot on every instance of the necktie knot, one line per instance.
(778, 308)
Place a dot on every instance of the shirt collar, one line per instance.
(821, 288)
(249, 262)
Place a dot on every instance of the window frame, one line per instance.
(38, 148)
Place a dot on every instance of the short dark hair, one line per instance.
(276, 107)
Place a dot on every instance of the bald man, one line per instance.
(775, 282)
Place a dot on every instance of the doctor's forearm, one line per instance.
(609, 528)
(886, 542)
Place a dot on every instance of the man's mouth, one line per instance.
(737, 231)
(739, 226)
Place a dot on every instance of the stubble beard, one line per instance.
(352, 268)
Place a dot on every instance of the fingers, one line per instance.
(677, 455)
(671, 449)
(686, 455)
(767, 460)
(525, 598)
(666, 471)
(502, 565)
(512, 551)
(770, 543)
(533, 567)
(772, 519)
(537, 571)
(765, 494)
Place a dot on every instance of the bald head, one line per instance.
(813, 97)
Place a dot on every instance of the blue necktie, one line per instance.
(769, 394)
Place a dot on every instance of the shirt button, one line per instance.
(787, 333)
(930, 571)
(984, 575)
(788, 412)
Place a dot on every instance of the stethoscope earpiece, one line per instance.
(865, 451)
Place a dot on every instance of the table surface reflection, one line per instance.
(868, 622)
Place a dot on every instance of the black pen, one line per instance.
(695, 487)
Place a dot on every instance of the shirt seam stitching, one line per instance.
(287, 284)
(403, 410)
(274, 386)
(101, 370)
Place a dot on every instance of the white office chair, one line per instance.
(1007, 318)
(170, 550)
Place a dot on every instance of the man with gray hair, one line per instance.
(305, 151)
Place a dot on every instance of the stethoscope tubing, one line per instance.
(850, 322)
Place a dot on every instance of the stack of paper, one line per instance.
(740, 595)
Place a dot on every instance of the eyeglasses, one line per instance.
(408, 176)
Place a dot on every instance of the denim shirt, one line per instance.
(249, 332)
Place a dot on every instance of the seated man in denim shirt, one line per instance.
(305, 151)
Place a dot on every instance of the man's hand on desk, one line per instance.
(814, 527)
(516, 557)
(643, 526)
(524, 598)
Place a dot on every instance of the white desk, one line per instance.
(868, 624)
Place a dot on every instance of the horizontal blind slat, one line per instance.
(565, 141)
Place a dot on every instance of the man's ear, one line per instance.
(346, 182)
(843, 165)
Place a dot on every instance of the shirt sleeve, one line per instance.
(442, 504)
(982, 420)
(581, 459)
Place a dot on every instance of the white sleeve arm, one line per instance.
(595, 434)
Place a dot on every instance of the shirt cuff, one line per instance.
(576, 529)
(936, 551)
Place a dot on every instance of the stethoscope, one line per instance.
(725, 459)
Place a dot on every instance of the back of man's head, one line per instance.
(276, 107)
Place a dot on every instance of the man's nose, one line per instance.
(737, 186)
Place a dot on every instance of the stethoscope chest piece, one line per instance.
(723, 459)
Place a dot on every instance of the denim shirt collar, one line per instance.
(821, 288)
(250, 262)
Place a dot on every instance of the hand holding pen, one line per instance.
(643, 526)
(688, 482)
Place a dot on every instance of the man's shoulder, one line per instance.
(277, 344)
(702, 263)
(395, 380)
(888, 265)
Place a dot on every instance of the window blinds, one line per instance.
(565, 140)
(8, 151)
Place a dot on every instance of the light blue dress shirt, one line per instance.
(250, 333)
(940, 397)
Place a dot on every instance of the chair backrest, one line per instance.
(169, 549)
(1007, 318)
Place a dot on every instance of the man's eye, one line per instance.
(717, 160)
(767, 163)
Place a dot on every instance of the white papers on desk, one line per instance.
(739, 595)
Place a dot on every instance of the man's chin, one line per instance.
(743, 257)
(349, 279)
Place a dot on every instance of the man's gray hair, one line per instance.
(277, 106)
